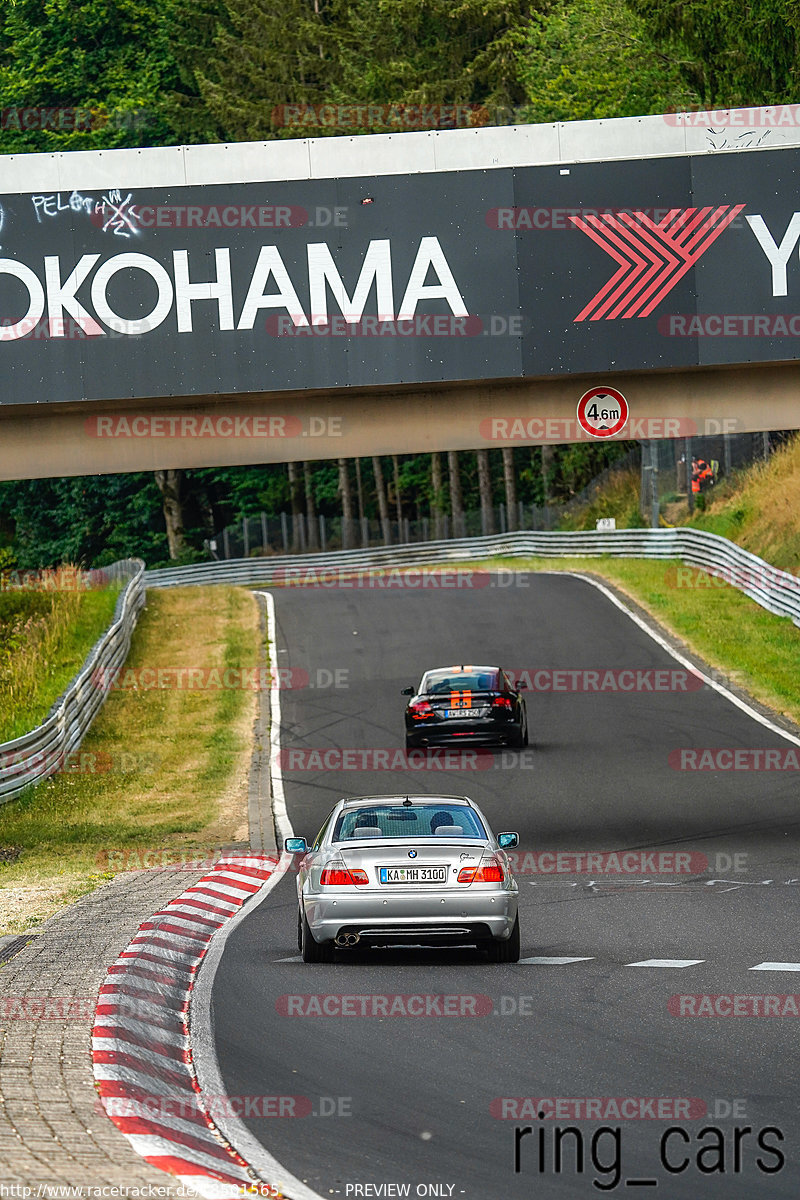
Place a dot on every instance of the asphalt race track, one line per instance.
(408, 1100)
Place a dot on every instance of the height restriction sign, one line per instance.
(602, 412)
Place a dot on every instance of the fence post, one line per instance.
(226, 545)
(323, 540)
(246, 537)
(285, 532)
(264, 537)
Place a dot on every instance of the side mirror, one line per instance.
(296, 846)
(507, 840)
(409, 691)
(520, 686)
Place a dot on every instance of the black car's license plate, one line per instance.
(413, 874)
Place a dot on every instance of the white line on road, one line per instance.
(777, 966)
(667, 962)
(553, 962)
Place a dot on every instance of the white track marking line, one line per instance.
(204, 1052)
(554, 962)
(776, 966)
(664, 644)
(667, 962)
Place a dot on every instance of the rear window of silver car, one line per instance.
(403, 821)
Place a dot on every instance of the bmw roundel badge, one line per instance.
(412, 854)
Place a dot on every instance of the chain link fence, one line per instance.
(286, 533)
(667, 474)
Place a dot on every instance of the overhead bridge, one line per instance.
(438, 290)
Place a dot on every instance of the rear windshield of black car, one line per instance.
(402, 821)
(462, 681)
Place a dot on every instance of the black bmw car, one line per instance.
(476, 704)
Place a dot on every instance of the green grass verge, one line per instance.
(38, 668)
(162, 769)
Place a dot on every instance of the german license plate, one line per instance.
(462, 712)
(413, 874)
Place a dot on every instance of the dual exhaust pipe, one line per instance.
(347, 939)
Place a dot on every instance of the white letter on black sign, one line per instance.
(219, 290)
(9, 333)
(271, 263)
(322, 269)
(430, 254)
(777, 255)
(62, 296)
(142, 262)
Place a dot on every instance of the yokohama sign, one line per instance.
(96, 304)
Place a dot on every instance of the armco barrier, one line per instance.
(775, 590)
(35, 755)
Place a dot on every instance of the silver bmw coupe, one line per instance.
(406, 870)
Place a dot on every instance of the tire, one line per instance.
(299, 931)
(507, 951)
(312, 952)
(520, 740)
(411, 745)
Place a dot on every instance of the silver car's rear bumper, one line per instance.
(422, 915)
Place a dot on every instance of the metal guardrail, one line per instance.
(777, 591)
(43, 751)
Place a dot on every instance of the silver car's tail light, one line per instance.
(489, 870)
(336, 874)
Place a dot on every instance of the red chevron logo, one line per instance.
(652, 257)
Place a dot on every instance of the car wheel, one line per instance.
(411, 745)
(312, 952)
(520, 737)
(508, 950)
